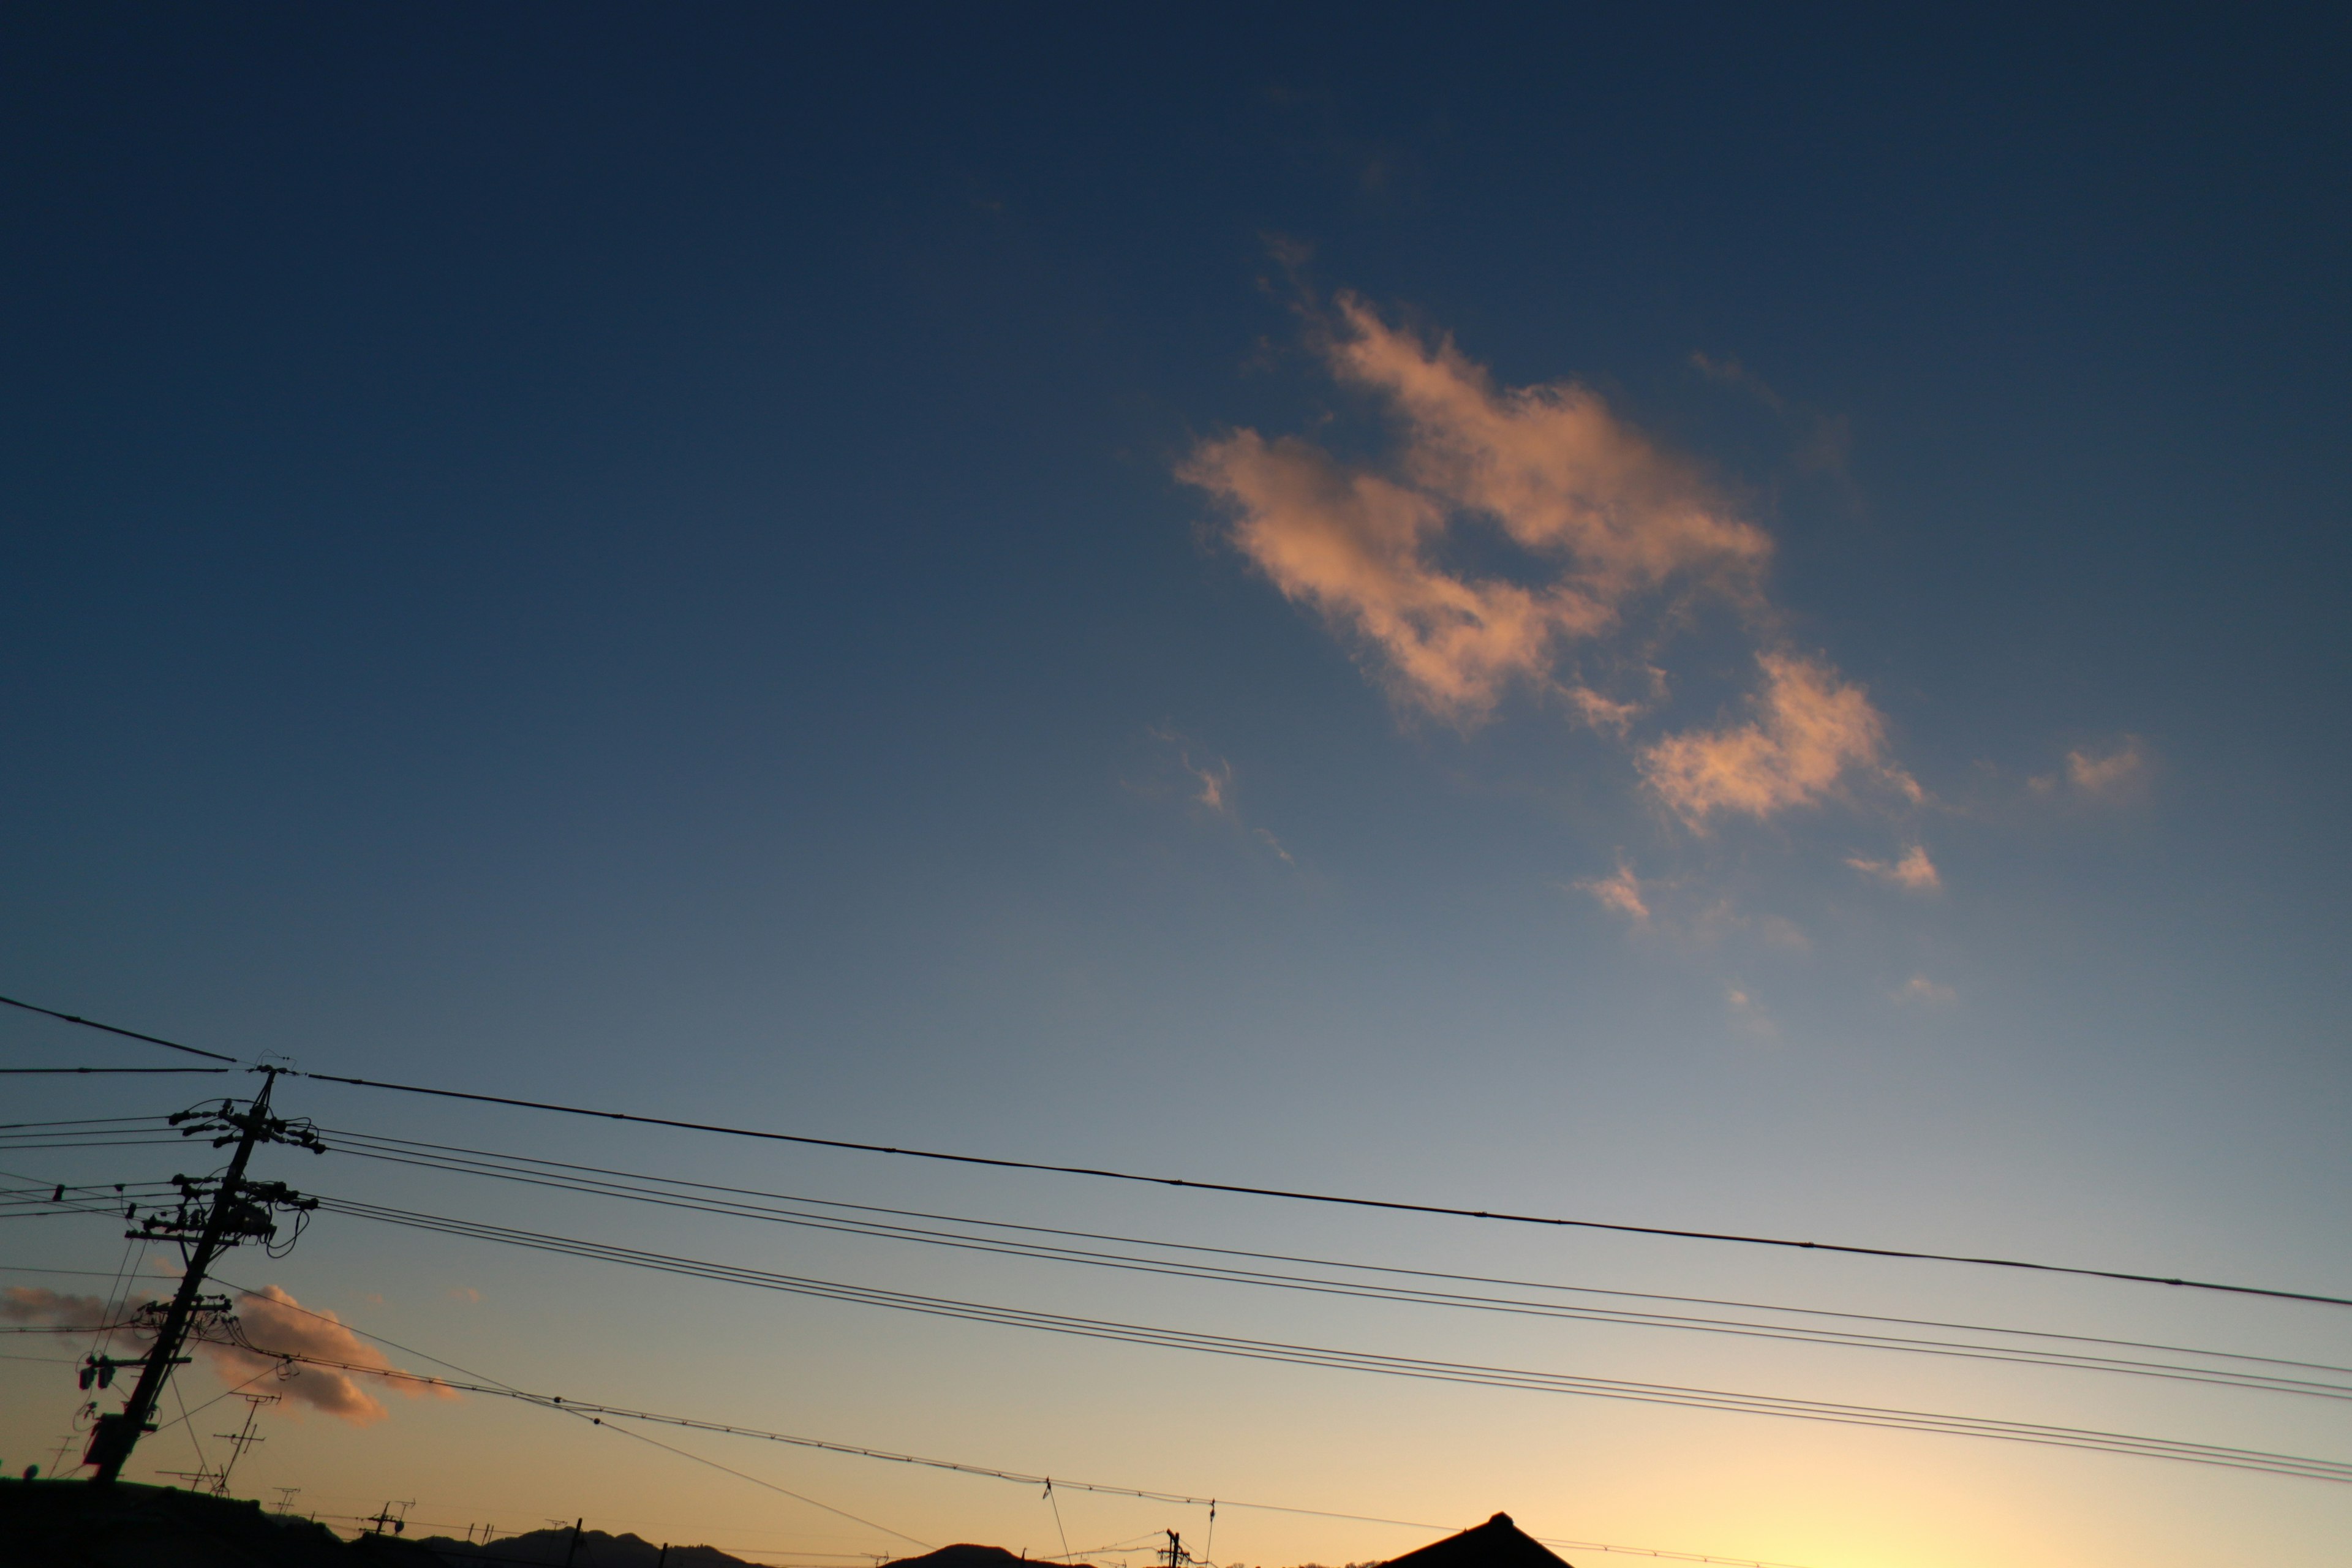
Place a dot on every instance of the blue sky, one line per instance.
(700, 561)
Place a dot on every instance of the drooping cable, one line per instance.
(1284, 1193)
(553, 1174)
(1378, 1363)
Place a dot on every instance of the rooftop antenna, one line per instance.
(398, 1521)
(242, 1439)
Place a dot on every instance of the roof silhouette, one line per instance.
(966, 1555)
(1498, 1543)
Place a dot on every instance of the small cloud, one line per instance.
(1602, 713)
(1620, 891)
(1812, 729)
(1927, 993)
(465, 1293)
(2112, 776)
(1731, 373)
(1212, 779)
(2104, 778)
(1749, 1013)
(1914, 871)
(1783, 933)
(1275, 844)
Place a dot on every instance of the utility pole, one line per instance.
(238, 1211)
(1173, 1554)
(574, 1550)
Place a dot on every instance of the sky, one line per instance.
(1703, 618)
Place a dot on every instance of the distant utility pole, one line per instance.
(213, 1215)
(1173, 1554)
(574, 1550)
(242, 1439)
(286, 1497)
(399, 1521)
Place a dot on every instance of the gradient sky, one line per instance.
(1705, 617)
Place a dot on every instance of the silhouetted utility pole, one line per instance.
(574, 1550)
(1173, 1554)
(214, 1216)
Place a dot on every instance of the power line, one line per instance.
(112, 1029)
(590, 1410)
(1300, 1196)
(1414, 1295)
(1287, 1194)
(1373, 1361)
(21, 1071)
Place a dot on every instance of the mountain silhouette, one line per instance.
(964, 1554)
(1498, 1543)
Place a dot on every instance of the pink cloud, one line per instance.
(271, 1319)
(1511, 536)
(1812, 729)
(1914, 871)
(34, 1304)
(1919, 988)
(1601, 516)
(1621, 892)
(2109, 776)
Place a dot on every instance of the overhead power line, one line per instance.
(595, 1412)
(1284, 1194)
(735, 1202)
(20, 1072)
(1373, 1361)
(1295, 1195)
(112, 1029)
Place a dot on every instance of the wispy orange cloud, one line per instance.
(1620, 891)
(1600, 515)
(1511, 527)
(1914, 870)
(272, 1319)
(36, 1304)
(1812, 730)
(2109, 776)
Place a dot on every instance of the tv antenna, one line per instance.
(242, 1439)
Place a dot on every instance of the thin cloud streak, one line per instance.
(1915, 871)
(2104, 778)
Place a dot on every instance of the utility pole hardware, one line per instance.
(213, 1217)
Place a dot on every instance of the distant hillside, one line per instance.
(73, 1524)
(597, 1550)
